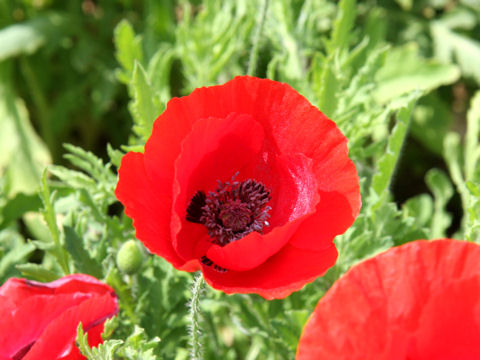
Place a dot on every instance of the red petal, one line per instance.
(291, 183)
(18, 290)
(252, 250)
(285, 272)
(417, 301)
(57, 339)
(333, 215)
(31, 318)
(32, 307)
(149, 209)
(214, 150)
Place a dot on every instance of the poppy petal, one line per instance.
(58, 337)
(18, 290)
(287, 271)
(416, 301)
(149, 211)
(23, 327)
(29, 309)
(327, 217)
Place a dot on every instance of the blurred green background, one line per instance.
(399, 77)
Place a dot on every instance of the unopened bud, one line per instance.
(129, 257)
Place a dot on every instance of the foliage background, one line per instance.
(400, 78)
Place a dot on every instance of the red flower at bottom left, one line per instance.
(40, 320)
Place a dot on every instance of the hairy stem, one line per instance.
(252, 61)
(194, 317)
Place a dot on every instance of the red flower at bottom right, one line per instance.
(418, 301)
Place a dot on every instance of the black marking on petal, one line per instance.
(194, 210)
(206, 261)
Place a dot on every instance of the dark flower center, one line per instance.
(232, 211)
(235, 215)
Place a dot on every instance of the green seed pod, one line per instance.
(129, 257)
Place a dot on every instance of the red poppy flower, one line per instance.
(39, 321)
(246, 180)
(419, 301)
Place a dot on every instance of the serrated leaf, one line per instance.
(326, 83)
(420, 208)
(386, 165)
(343, 25)
(48, 211)
(50, 218)
(84, 263)
(442, 190)
(451, 46)
(159, 70)
(115, 155)
(138, 346)
(404, 71)
(37, 272)
(145, 107)
(128, 48)
(105, 351)
(72, 178)
(88, 162)
(14, 251)
(472, 146)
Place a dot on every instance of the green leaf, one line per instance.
(343, 25)
(13, 250)
(72, 178)
(419, 208)
(159, 71)
(326, 83)
(18, 206)
(23, 155)
(386, 165)
(128, 49)
(84, 263)
(439, 184)
(290, 326)
(88, 162)
(451, 46)
(404, 71)
(105, 351)
(51, 220)
(146, 106)
(115, 155)
(432, 119)
(138, 346)
(38, 272)
(472, 146)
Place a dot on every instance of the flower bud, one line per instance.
(129, 257)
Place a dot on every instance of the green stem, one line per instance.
(194, 316)
(252, 61)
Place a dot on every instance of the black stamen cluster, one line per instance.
(232, 211)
